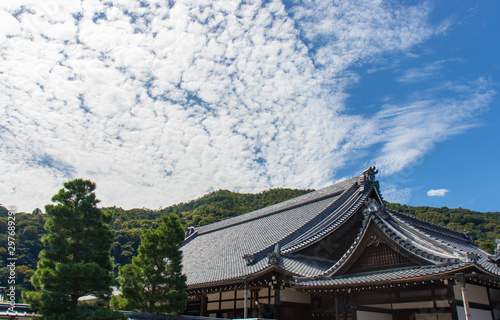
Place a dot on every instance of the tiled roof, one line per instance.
(243, 246)
(457, 243)
(214, 253)
(399, 274)
(443, 248)
(307, 198)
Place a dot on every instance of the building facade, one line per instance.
(338, 253)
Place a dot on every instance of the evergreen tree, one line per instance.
(154, 281)
(77, 259)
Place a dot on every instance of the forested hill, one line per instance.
(210, 208)
(128, 224)
(484, 226)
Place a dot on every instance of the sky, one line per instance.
(160, 102)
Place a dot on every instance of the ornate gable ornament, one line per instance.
(373, 208)
(375, 241)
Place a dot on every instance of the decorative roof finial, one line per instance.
(472, 257)
(468, 236)
(369, 174)
(189, 231)
(250, 259)
(274, 257)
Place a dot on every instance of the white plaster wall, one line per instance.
(474, 293)
(475, 314)
(292, 295)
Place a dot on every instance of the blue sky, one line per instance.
(160, 102)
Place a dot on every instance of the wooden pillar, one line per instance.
(203, 305)
(337, 308)
(451, 299)
(353, 306)
(255, 304)
(345, 307)
(277, 288)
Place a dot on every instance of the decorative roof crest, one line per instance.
(189, 231)
(495, 257)
(275, 256)
(472, 257)
(468, 236)
(249, 258)
(369, 174)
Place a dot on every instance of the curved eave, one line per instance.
(237, 281)
(331, 223)
(431, 227)
(397, 276)
(418, 243)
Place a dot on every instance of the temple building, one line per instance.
(338, 253)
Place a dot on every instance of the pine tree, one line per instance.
(77, 261)
(154, 282)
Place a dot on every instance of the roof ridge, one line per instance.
(436, 228)
(296, 202)
(312, 223)
(355, 201)
(411, 244)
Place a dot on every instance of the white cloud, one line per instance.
(408, 132)
(9, 26)
(395, 194)
(428, 70)
(162, 103)
(437, 192)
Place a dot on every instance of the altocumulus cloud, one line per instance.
(162, 101)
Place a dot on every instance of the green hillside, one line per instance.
(484, 226)
(128, 224)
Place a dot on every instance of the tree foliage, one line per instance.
(76, 261)
(154, 281)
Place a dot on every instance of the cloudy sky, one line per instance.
(161, 101)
